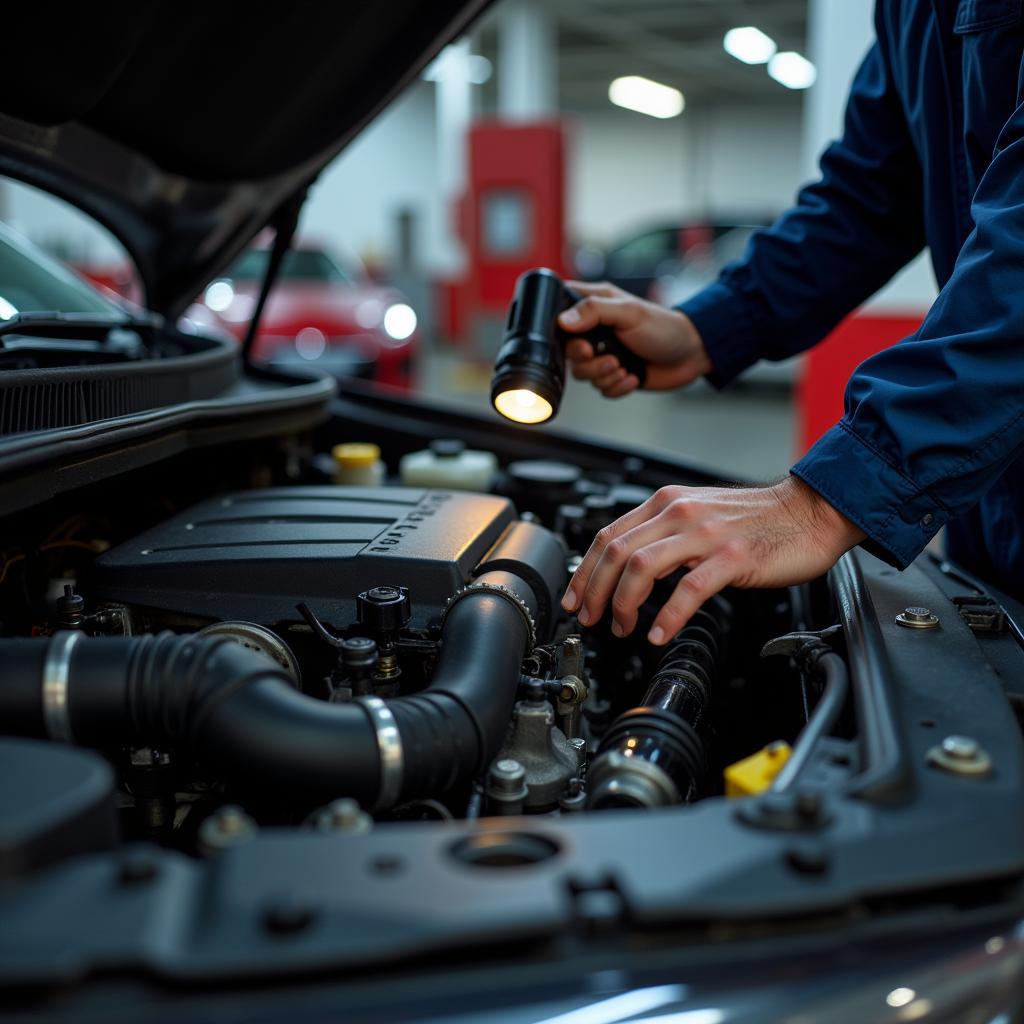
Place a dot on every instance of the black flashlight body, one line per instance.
(532, 355)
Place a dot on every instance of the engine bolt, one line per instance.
(227, 827)
(961, 755)
(917, 617)
(963, 748)
(344, 815)
(506, 786)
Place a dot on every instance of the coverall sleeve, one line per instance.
(846, 236)
(931, 423)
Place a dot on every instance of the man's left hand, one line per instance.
(743, 537)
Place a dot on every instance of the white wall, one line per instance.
(391, 165)
(626, 171)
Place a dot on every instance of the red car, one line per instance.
(319, 313)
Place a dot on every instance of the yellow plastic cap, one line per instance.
(756, 773)
(355, 455)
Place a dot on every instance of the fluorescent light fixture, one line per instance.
(749, 45)
(646, 97)
(792, 70)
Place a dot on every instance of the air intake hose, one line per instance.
(239, 711)
(653, 755)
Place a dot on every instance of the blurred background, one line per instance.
(637, 141)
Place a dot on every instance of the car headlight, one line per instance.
(219, 296)
(399, 321)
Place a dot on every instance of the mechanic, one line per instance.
(932, 153)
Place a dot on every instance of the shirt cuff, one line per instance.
(727, 329)
(898, 517)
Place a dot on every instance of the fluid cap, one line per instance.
(384, 609)
(355, 455)
(447, 447)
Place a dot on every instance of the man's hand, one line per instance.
(742, 537)
(665, 338)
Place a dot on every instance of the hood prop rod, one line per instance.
(284, 223)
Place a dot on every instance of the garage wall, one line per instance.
(625, 171)
(392, 165)
(628, 171)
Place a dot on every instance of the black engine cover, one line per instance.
(256, 554)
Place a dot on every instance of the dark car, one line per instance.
(273, 748)
(320, 313)
(638, 263)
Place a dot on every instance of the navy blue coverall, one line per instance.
(932, 153)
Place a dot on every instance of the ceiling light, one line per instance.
(646, 97)
(749, 45)
(792, 70)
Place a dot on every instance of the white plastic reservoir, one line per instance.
(449, 464)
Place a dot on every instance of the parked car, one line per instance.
(275, 748)
(320, 313)
(637, 263)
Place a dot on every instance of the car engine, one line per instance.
(321, 656)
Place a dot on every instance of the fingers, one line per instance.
(603, 288)
(594, 310)
(697, 586)
(648, 510)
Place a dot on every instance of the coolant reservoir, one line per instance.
(449, 465)
(358, 465)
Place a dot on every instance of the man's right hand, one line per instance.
(665, 338)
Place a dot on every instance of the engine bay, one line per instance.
(348, 723)
(417, 663)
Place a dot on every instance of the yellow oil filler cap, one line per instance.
(756, 773)
(357, 463)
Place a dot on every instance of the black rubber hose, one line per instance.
(654, 754)
(237, 710)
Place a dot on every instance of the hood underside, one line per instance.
(185, 129)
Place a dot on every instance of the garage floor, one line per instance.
(741, 434)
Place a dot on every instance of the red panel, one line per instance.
(828, 367)
(516, 193)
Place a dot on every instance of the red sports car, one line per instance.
(319, 313)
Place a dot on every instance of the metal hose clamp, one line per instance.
(56, 667)
(501, 591)
(389, 743)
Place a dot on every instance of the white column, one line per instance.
(839, 33)
(527, 61)
(454, 115)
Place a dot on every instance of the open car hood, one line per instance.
(186, 130)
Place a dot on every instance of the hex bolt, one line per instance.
(579, 744)
(229, 826)
(343, 815)
(506, 786)
(963, 748)
(961, 755)
(917, 617)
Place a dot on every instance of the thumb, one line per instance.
(588, 313)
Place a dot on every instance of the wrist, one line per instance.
(831, 529)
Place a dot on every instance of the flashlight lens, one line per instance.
(523, 406)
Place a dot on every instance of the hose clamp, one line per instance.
(504, 592)
(389, 743)
(56, 668)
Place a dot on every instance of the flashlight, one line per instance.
(529, 372)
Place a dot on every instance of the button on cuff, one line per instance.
(891, 509)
